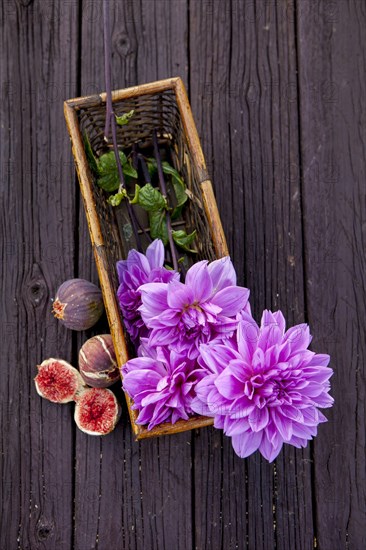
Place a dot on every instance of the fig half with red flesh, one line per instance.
(97, 411)
(58, 381)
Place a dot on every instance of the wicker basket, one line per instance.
(163, 106)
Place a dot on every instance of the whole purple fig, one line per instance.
(78, 304)
(97, 362)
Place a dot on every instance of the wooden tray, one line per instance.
(162, 105)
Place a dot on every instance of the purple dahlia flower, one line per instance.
(205, 307)
(134, 272)
(266, 389)
(161, 384)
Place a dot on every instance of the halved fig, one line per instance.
(58, 381)
(97, 411)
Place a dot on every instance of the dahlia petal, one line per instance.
(199, 280)
(219, 422)
(155, 254)
(136, 259)
(312, 389)
(225, 326)
(179, 295)
(121, 266)
(139, 380)
(270, 449)
(231, 299)
(215, 359)
(280, 320)
(247, 338)
(201, 408)
(283, 424)
(217, 403)
(222, 273)
(298, 442)
(268, 319)
(228, 385)
(324, 400)
(258, 419)
(299, 337)
(154, 300)
(318, 374)
(303, 431)
(319, 360)
(246, 443)
(152, 398)
(235, 427)
(241, 407)
(292, 412)
(161, 414)
(161, 337)
(269, 336)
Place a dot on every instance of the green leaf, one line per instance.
(135, 199)
(92, 160)
(177, 182)
(158, 228)
(177, 212)
(129, 170)
(151, 166)
(115, 200)
(183, 240)
(168, 169)
(108, 171)
(107, 162)
(125, 118)
(150, 199)
(109, 182)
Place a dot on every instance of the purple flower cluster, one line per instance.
(201, 352)
(137, 270)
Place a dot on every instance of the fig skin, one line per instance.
(97, 411)
(58, 381)
(78, 304)
(97, 362)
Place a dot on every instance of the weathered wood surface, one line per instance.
(278, 92)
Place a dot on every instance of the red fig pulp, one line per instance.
(78, 304)
(97, 362)
(58, 381)
(97, 411)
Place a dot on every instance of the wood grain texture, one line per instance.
(278, 94)
(38, 68)
(333, 146)
(144, 489)
(244, 96)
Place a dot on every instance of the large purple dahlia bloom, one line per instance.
(134, 272)
(161, 384)
(266, 389)
(205, 307)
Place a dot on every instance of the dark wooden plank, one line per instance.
(138, 494)
(38, 69)
(244, 97)
(333, 101)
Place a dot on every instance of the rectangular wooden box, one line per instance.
(163, 106)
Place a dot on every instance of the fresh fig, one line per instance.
(97, 362)
(58, 381)
(78, 304)
(97, 411)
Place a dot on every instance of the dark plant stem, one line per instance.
(110, 119)
(164, 193)
(145, 171)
